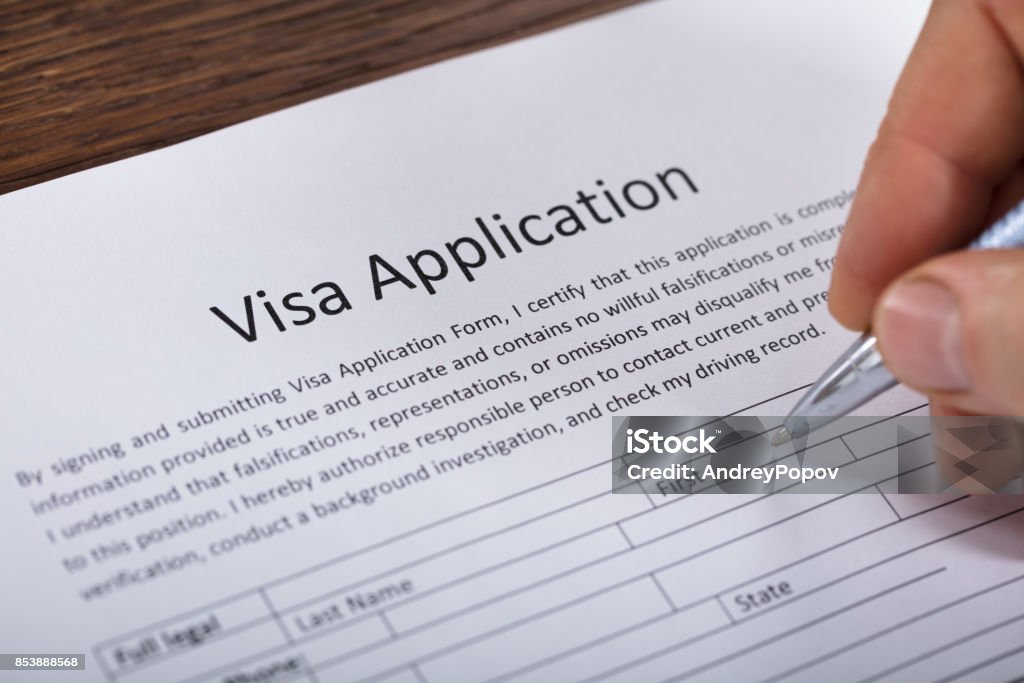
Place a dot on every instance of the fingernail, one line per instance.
(919, 332)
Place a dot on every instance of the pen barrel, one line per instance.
(857, 377)
(1006, 233)
(862, 377)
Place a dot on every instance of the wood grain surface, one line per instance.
(85, 82)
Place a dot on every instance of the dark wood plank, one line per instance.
(86, 82)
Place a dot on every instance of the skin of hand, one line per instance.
(946, 163)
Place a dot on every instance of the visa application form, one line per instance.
(326, 396)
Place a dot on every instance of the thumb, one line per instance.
(953, 328)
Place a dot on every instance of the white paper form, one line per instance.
(244, 441)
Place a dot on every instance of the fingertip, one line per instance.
(844, 314)
(845, 304)
(919, 325)
(951, 328)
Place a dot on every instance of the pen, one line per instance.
(860, 375)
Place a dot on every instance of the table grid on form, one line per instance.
(608, 581)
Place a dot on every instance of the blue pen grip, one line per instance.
(1006, 233)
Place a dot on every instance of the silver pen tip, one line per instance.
(782, 436)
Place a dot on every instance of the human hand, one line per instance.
(947, 162)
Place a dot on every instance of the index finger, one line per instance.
(953, 133)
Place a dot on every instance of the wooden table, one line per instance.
(85, 82)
